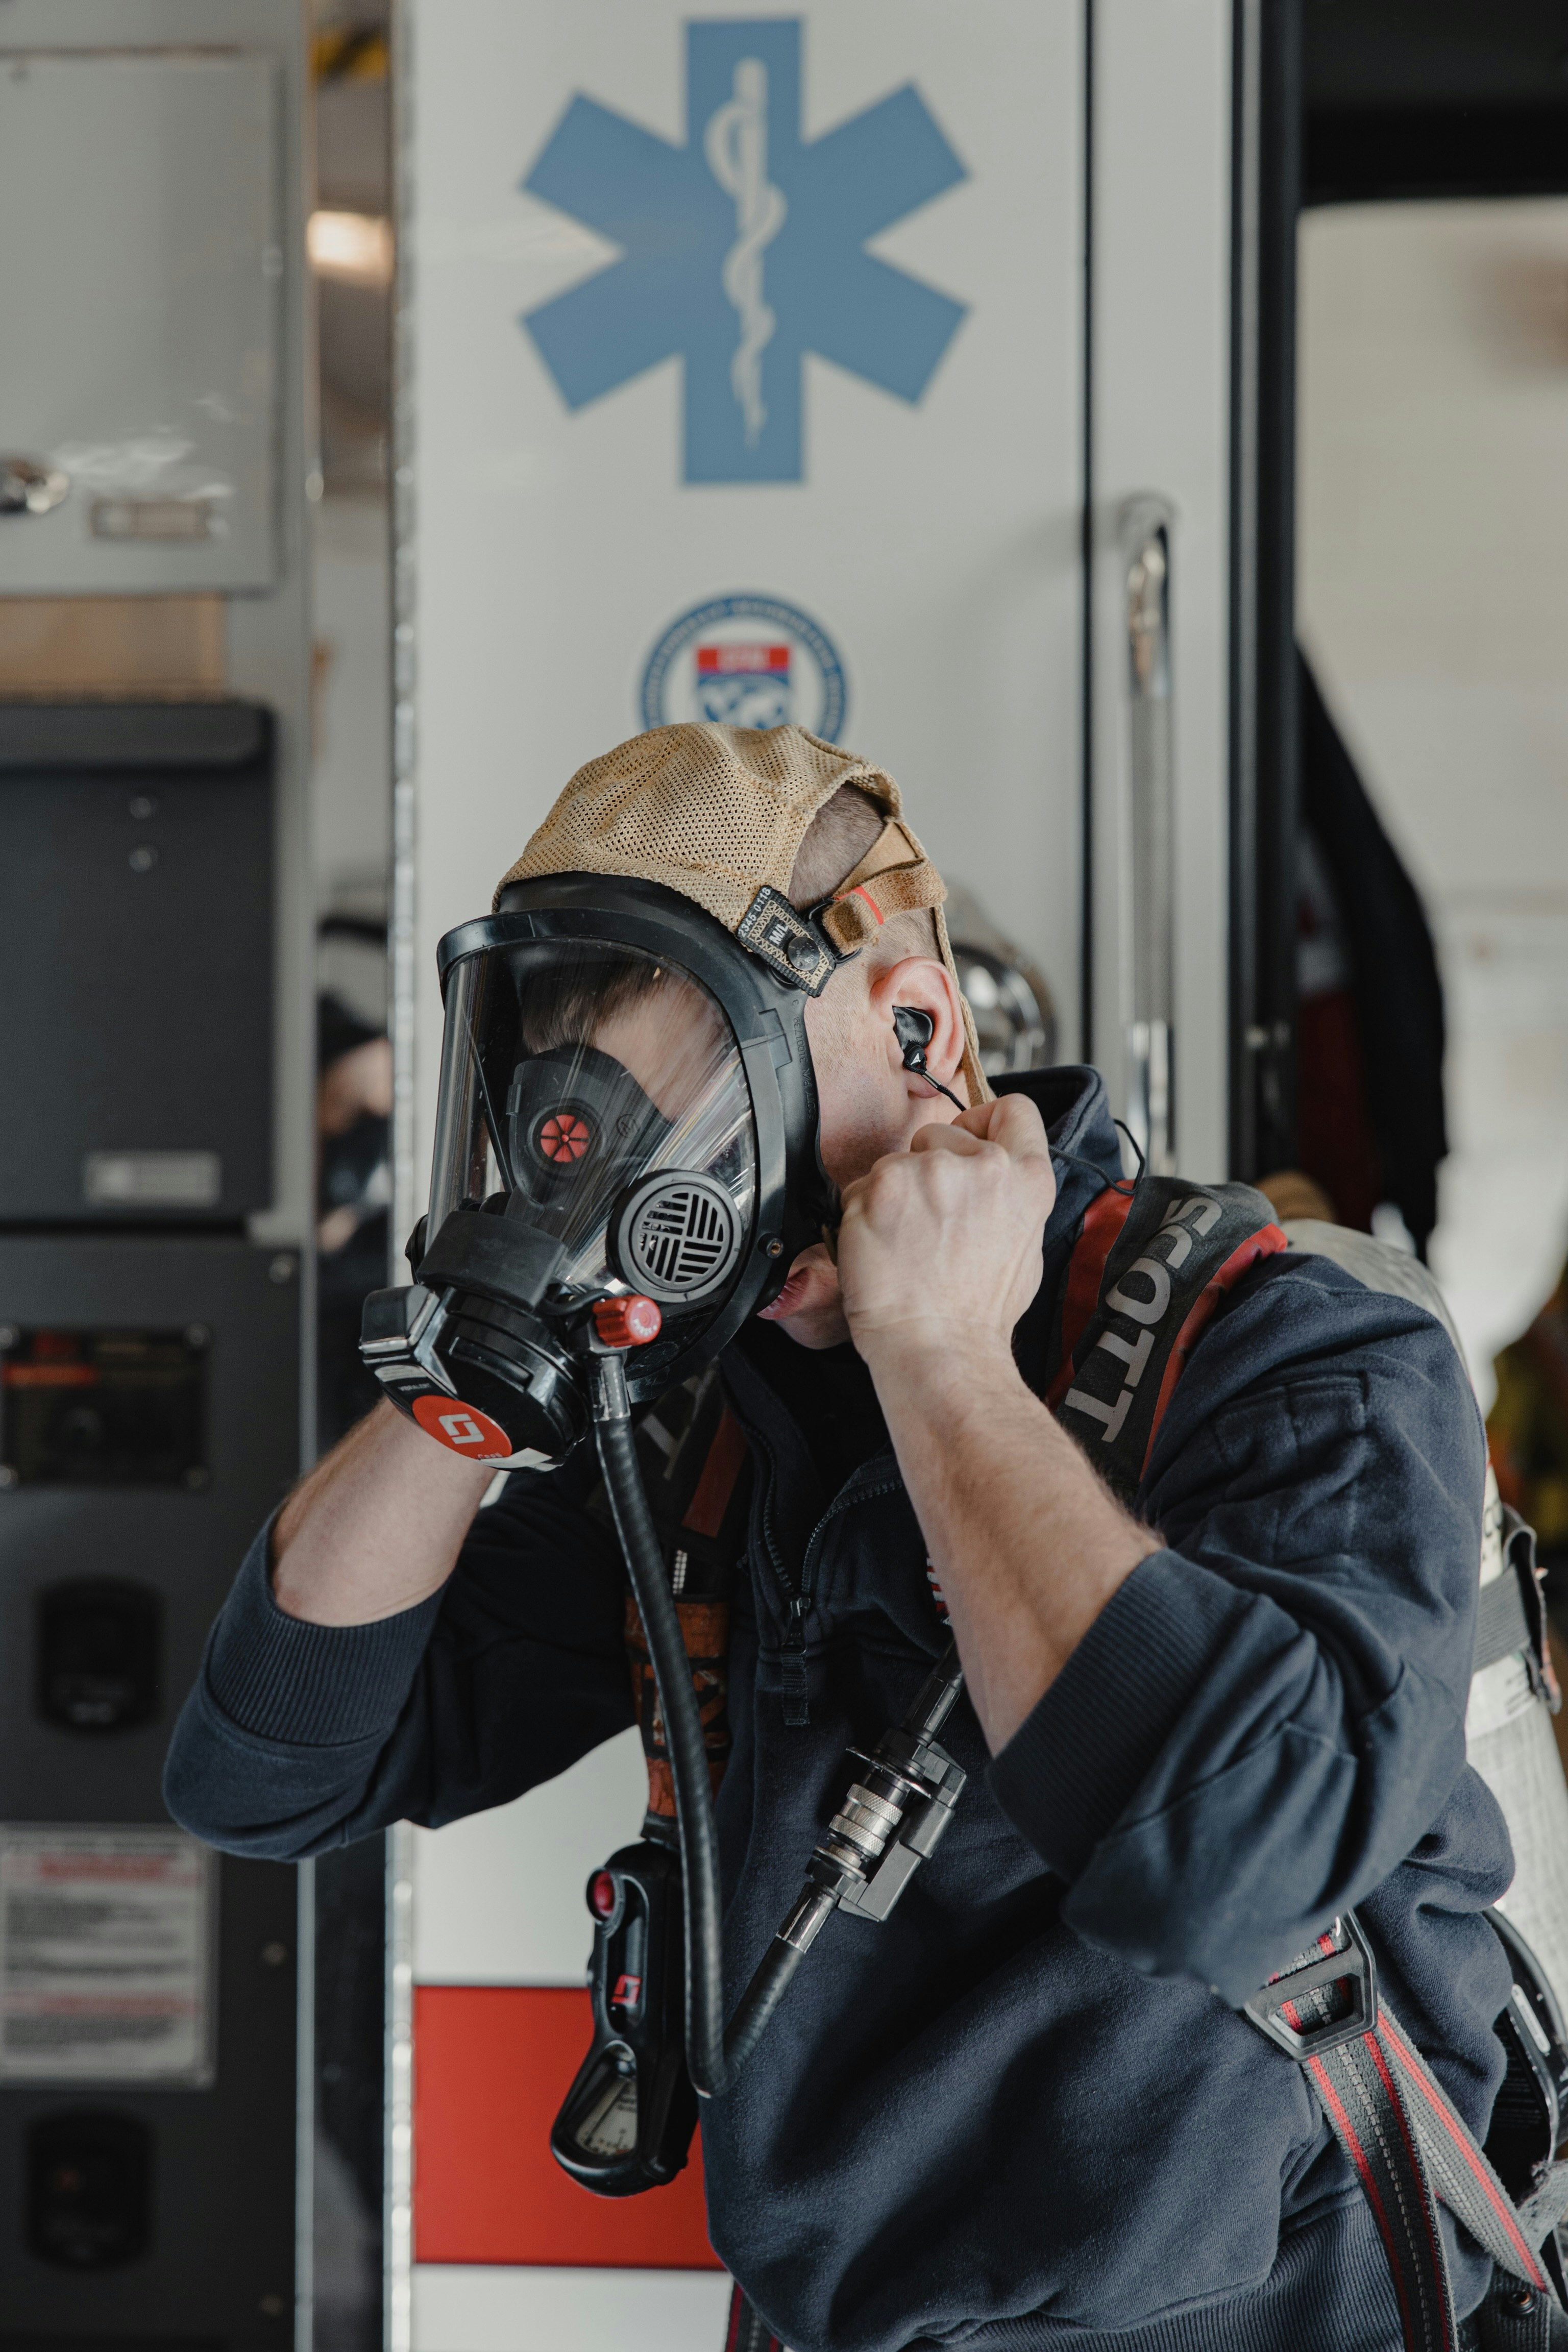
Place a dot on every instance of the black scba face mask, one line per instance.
(625, 1157)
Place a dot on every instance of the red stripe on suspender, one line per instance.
(1267, 1243)
(1102, 1222)
(1413, 2157)
(1331, 2099)
(1413, 2071)
(710, 1497)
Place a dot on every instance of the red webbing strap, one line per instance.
(1358, 2093)
(704, 1629)
(711, 1496)
(1460, 2170)
(1102, 1222)
(1410, 2148)
(1240, 1261)
(1150, 1264)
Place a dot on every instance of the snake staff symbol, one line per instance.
(699, 227)
(736, 146)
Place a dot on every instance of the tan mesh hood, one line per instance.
(715, 813)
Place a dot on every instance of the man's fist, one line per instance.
(940, 1244)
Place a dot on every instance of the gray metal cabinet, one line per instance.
(140, 277)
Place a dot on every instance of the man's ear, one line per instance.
(922, 985)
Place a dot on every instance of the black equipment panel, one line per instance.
(184, 2207)
(99, 1650)
(92, 1408)
(90, 2189)
(136, 928)
(75, 1553)
(158, 2215)
(1421, 99)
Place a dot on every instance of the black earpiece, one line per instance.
(914, 1030)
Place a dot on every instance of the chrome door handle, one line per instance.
(1145, 528)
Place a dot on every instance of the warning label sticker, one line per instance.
(106, 1956)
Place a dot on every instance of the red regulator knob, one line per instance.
(626, 1322)
(603, 1894)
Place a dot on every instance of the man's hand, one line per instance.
(939, 1245)
(939, 1256)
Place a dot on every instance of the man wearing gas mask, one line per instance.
(1093, 1580)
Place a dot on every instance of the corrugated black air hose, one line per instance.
(683, 1728)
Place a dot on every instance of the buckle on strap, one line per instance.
(1350, 1964)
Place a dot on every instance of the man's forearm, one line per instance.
(1027, 1544)
(375, 1527)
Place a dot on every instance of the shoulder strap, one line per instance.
(748, 2331)
(696, 1492)
(1150, 1267)
(1410, 2148)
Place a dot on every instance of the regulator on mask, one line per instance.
(625, 1158)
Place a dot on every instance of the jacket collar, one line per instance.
(1086, 1155)
(1086, 1152)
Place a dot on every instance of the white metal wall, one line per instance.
(1160, 311)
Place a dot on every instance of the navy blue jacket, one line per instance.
(1022, 2113)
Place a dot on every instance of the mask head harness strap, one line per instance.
(894, 877)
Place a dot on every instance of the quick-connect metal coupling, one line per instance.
(867, 1820)
(886, 1827)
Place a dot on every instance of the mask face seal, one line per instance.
(625, 1112)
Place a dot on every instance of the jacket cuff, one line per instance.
(310, 1685)
(1075, 1763)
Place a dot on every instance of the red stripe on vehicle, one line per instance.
(492, 2065)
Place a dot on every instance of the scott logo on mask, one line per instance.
(461, 1427)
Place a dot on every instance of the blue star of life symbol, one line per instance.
(744, 249)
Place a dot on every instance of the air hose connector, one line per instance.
(887, 1825)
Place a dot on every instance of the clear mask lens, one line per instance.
(606, 1089)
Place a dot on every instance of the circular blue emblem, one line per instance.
(746, 661)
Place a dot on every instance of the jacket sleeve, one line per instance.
(298, 1738)
(1269, 1716)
